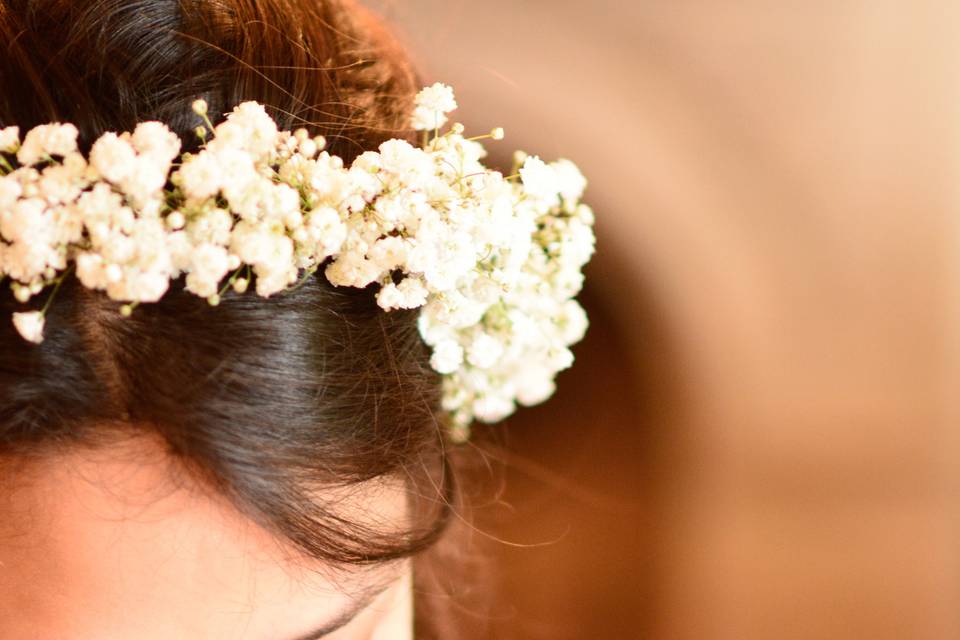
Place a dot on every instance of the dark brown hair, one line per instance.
(267, 399)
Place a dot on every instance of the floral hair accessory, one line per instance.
(492, 262)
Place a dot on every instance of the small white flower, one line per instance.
(573, 322)
(30, 325)
(534, 385)
(201, 176)
(176, 220)
(9, 139)
(260, 129)
(157, 140)
(572, 182)
(324, 232)
(21, 293)
(484, 351)
(409, 294)
(447, 357)
(209, 264)
(540, 180)
(431, 106)
(58, 184)
(47, 139)
(112, 157)
(437, 97)
(492, 408)
(10, 190)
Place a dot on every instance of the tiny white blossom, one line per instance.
(447, 357)
(534, 385)
(492, 408)
(484, 351)
(260, 129)
(47, 139)
(571, 180)
(9, 139)
(540, 180)
(201, 176)
(573, 321)
(176, 220)
(432, 105)
(157, 140)
(10, 191)
(209, 264)
(30, 325)
(409, 294)
(112, 157)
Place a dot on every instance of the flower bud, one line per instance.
(21, 293)
(176, 220)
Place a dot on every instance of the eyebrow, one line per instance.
(347, 615)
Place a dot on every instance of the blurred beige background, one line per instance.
(761, 438)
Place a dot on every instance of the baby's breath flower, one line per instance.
(572, 182)
(47, 140)
(209, 264)
(21, 293)
(540, 180)
(9, 139)
(112, 157)
(447, 357)
(30, 325)
(492, 263)
(176, 220)
(157, 140)
(432, 106)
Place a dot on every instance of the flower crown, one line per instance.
(492, 262)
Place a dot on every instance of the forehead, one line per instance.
(110, 544)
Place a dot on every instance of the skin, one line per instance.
(115, 544)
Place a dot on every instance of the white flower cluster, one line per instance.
(492, 262)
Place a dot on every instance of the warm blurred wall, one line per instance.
(778, 203)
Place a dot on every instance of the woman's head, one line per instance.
(298, 429)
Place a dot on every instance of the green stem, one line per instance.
(58, 282)
(309, 272)
(230, 281)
